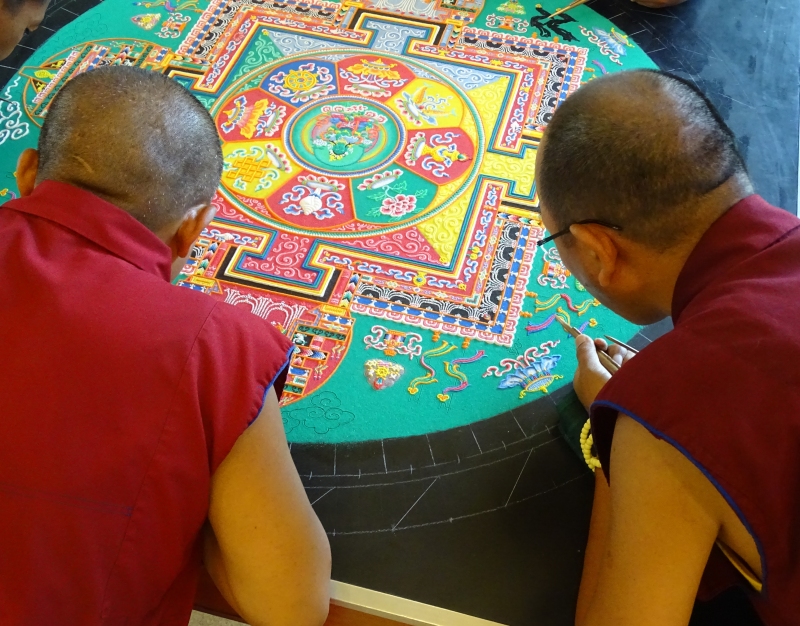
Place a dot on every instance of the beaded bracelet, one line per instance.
(587, 441)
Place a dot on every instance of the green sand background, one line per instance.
(347, 408)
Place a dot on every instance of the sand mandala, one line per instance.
(377, 203)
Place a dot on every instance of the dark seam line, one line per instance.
(782, 237)
(155, 451)
(75, 233)
(705, 473)
(82, 503)
(269, 386)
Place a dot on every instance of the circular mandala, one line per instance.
(346, 144)
(344, 136)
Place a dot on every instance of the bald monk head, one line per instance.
(646, 152)
(140, 141)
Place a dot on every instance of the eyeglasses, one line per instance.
(541, 242)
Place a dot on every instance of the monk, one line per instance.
(18, 17)
(140, 433)
(698, 435)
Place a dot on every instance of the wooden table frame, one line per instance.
(353, 606)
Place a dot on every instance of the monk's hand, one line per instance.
(659, 4)
(618, 353)
(591, 376)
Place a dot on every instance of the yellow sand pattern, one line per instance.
(442, 229)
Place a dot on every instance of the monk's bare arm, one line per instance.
(265, 548)
(664, 519)
(596, 546)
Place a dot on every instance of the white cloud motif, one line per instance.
(11, 128)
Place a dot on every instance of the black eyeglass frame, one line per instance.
(560, 233)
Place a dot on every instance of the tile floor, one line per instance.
(59, 13)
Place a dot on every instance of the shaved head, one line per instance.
(136, 139)
(13, 6)
(638, 149)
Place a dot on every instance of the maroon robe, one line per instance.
(724, 386)
(120, 395)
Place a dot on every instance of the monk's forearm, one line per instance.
(596, 546)
(215, 565)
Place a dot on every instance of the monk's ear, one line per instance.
(601, 250)
(195, 220)
(27, 170)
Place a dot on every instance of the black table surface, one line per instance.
(491, 520)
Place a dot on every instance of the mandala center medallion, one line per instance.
(344, 136)
(351, 145)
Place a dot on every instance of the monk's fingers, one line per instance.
(628, 356)
(618, 353)
(601, 344)
(590, 375)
